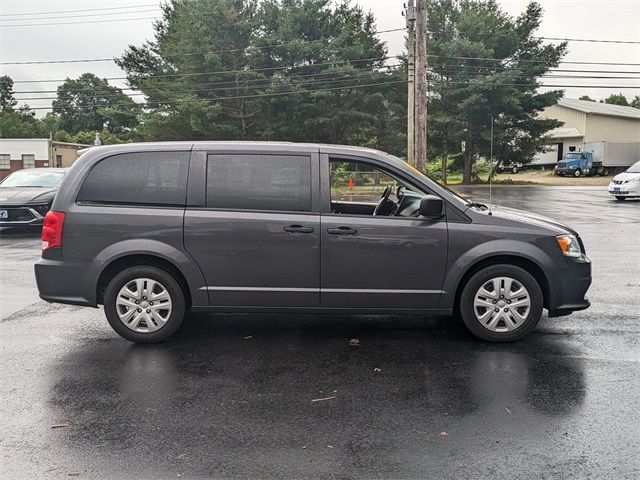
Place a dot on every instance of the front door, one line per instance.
(256, 237)
(393, 259)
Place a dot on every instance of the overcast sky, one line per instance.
(605, 20)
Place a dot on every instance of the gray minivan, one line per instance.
(154, 230)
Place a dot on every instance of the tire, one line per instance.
(621, 199)
(162, 322)
(504, 330)
(514, 170)
(605, 172)
(577, 173)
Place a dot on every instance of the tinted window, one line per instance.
(259, 182)
(149, 178)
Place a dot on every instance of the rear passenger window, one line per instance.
(259, 182)
(144, 178)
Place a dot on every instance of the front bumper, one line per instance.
(627, 190)
(564, 171)
(569, 287)
(20, 215)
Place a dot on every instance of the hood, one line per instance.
(533, 219)
(624, 176)
(22, 195)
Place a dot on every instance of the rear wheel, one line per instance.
(144, 304)
(501, 303)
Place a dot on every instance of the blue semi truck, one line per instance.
(599, 158)
(576, 164)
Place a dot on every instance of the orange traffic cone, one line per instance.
(350, 184)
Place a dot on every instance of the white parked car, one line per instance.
(626, 184)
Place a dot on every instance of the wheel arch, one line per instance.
(509, 259)
(117, 265)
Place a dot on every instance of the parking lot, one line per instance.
(291, 396)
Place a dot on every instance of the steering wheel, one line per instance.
(383, 200)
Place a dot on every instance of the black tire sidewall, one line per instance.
(177, 304)
(487, 273)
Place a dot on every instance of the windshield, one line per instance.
(464, 201)
(34, 178)
(635, 168)
(574, 156)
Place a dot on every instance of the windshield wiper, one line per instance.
(477, 205)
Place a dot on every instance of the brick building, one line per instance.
(18, 153)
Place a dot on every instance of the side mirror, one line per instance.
(431, 207)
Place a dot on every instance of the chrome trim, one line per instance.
(261, 289)
(316, 290)
(376, 290)
(36, 216)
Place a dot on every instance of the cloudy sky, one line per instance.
(24, 38)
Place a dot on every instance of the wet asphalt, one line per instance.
(232, 396)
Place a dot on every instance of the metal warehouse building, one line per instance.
(18, 153)
(587, 122)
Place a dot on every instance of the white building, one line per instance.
(588, 122)
(18, 153)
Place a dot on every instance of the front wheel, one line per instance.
(501, 303)
(144, 304)
(577, 173)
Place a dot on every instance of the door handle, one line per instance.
(298, 229)
(342, 231)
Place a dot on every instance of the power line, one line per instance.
(76, 23)
(592, 40)
(185, 54)
(221, 72)
(255, 83)
(79, 16)
(237, 97)
(349, 87)
(562, 39)
(265, 84)
(524, 60)
(357, 71)
(81, 10)
(483, 59)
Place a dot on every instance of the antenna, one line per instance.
(491, 171)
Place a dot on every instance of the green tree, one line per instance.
(7, 100)
(20, 123)
(617, 99)
(485, 64)
(587, 98)
(232, 69)
(635, 103)
(89, 103)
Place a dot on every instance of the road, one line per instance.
(231, 396)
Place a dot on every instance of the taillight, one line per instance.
(52, 230)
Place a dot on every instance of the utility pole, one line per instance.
(411, 71)
(421, 86)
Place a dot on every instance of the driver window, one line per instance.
(357, 188)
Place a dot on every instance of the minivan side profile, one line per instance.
(152, 231)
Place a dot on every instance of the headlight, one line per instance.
(569, 245)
